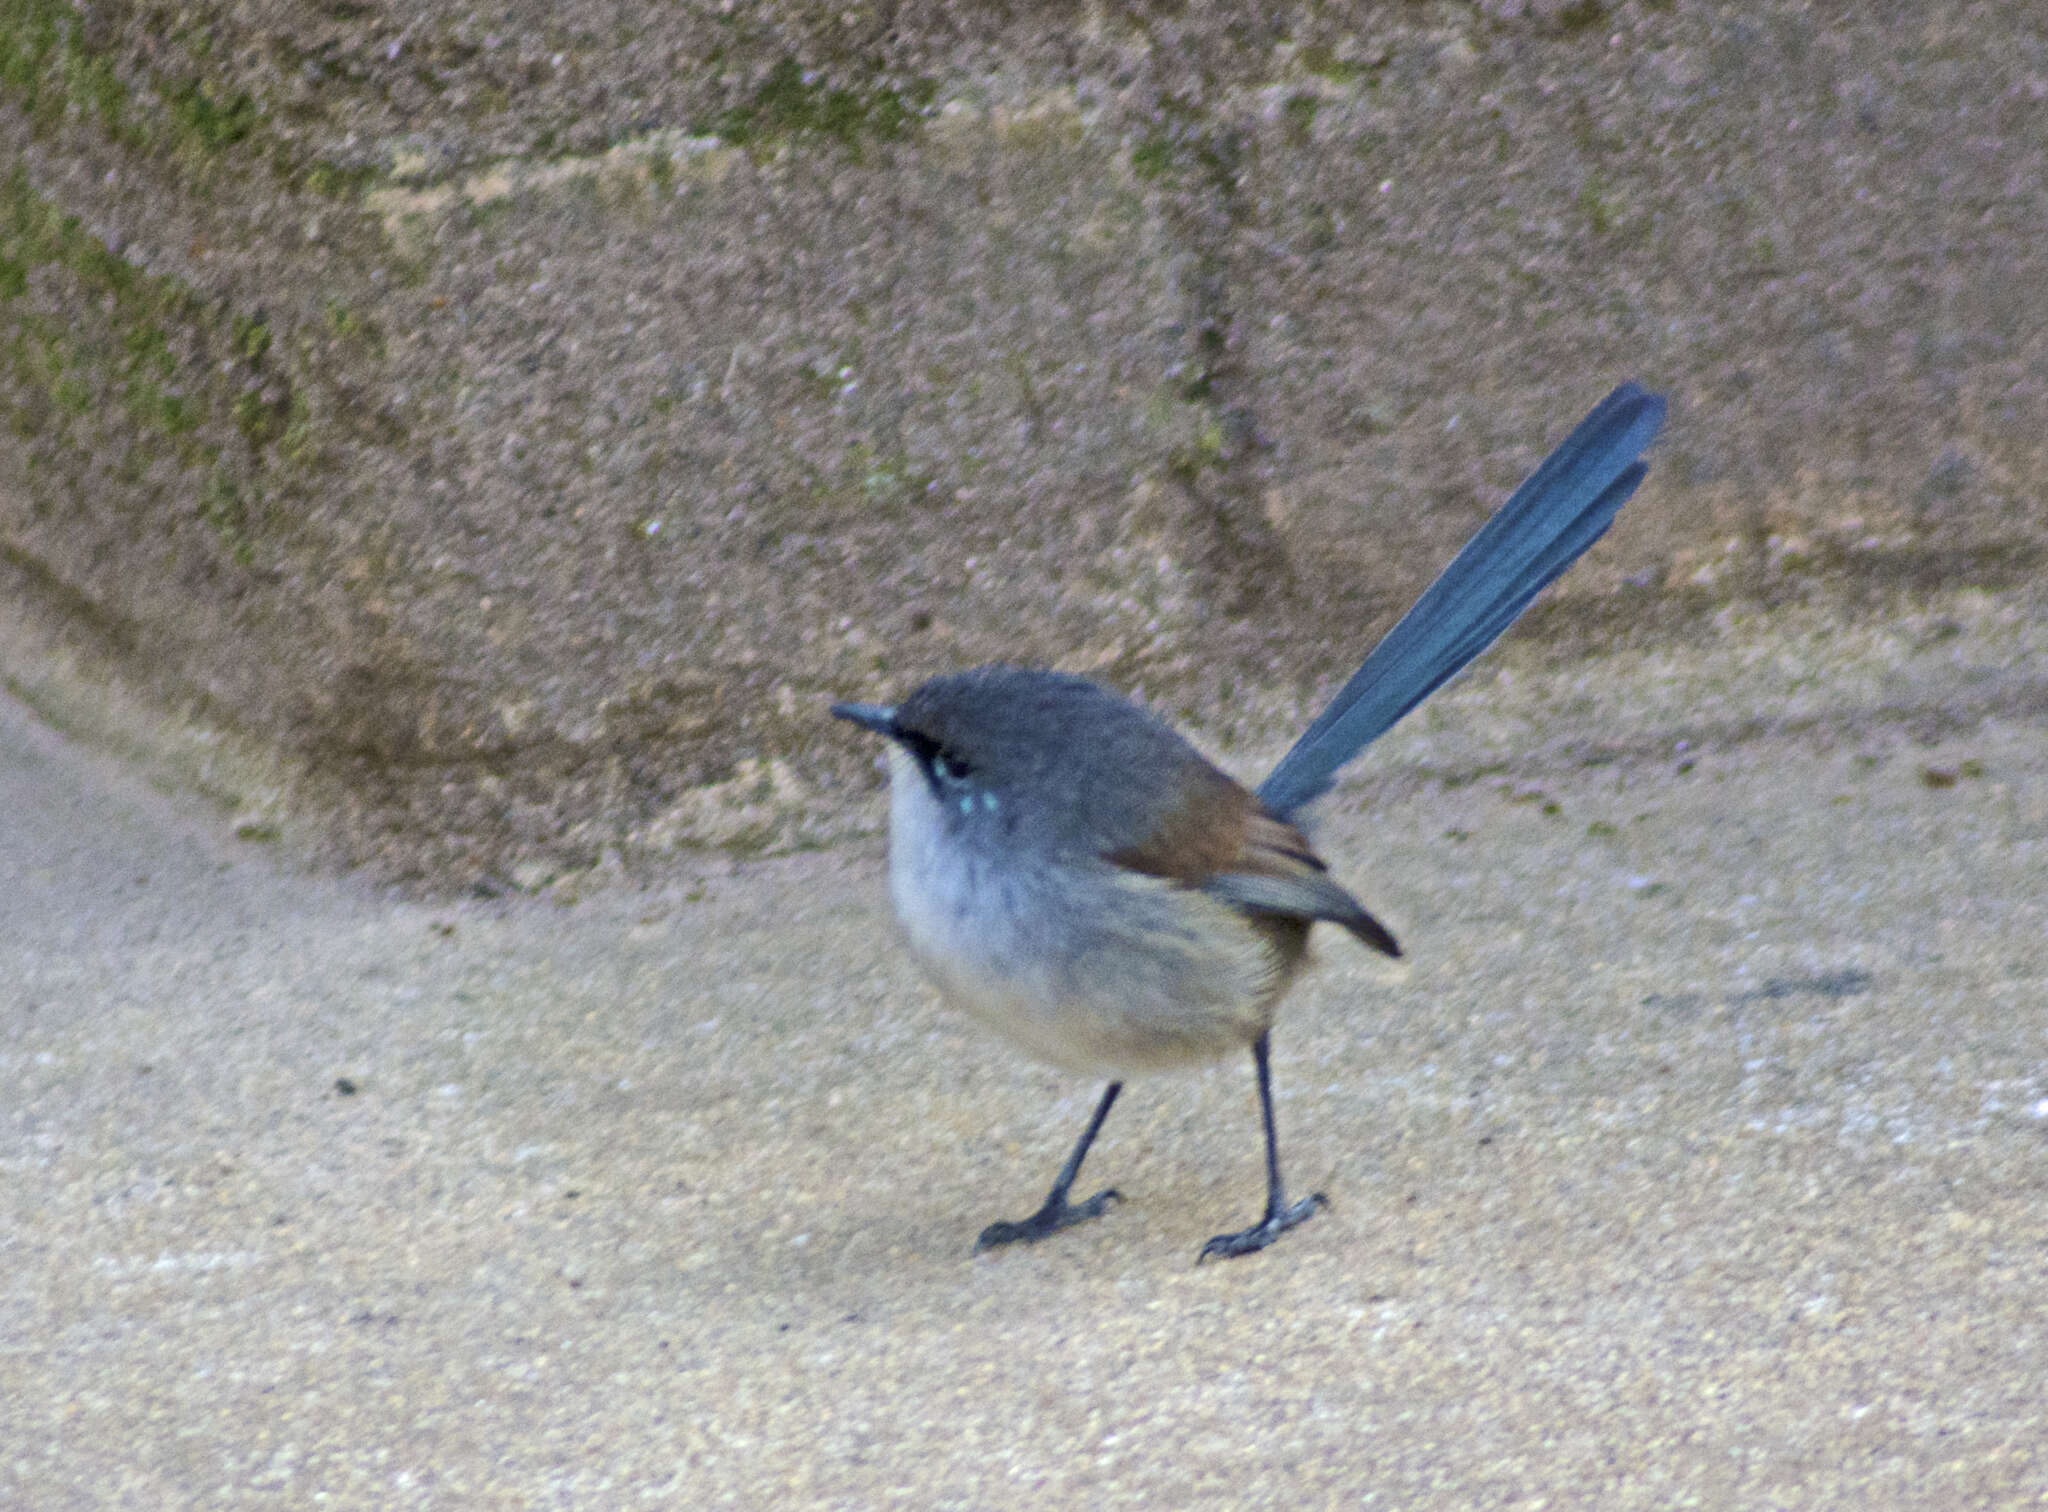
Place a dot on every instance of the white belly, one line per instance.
(1089, 967)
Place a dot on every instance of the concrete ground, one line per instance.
(1697, 1155)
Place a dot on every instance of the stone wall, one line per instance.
(524, 419)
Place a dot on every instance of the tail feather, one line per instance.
(1568, 548)
(1560, 510)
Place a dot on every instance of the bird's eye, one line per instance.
(944, 769)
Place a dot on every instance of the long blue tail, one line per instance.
(1564, 507)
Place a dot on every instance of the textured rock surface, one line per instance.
(522, 419)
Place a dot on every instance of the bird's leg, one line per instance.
(1279, 1216)
(1058, 1213)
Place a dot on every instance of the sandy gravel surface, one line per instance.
(1697, 1155)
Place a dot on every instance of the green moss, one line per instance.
(158, 408)
(31, 33)
(207, 120)
(90, 80)
(149, 350)
(222, 507)
(1153, 157)
(169, 366)
(1596, 207)
(1582, 16)
(1189, 144)
(299, 443)
(47, 65)
(252, 338)
(790, 104)
(71, 393)
(260, 422)
(1300, 114)
(48, 354)
(1324, 63)
(349, 325)
(328, 180)
(1188, 462)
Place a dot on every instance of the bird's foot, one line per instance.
(1057, 1214)
(1276, 1222)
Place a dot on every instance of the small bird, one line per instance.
(1077, 876)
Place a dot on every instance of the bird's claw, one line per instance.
(1057, 1214)
(1276, 1222)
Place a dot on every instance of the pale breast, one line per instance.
(1088, 966)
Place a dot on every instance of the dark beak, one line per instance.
(881, 718)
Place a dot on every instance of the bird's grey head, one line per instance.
(1046, 759)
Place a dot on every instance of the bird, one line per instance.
(1072, 872)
